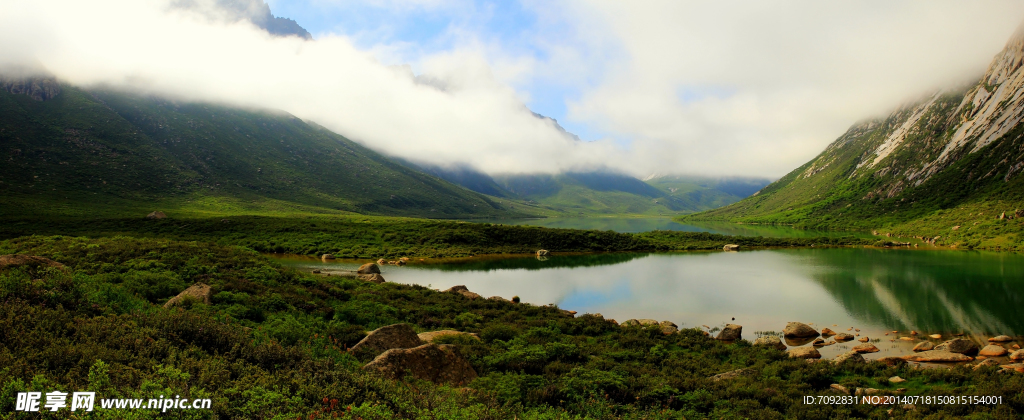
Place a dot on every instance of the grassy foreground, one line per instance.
(272, 345)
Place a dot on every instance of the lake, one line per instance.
(647, 224)
(874, 290)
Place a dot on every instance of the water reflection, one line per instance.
(875, 291)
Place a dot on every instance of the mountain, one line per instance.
(948, 160)
(88, 151)
(255, 11)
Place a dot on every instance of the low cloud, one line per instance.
(684, 87)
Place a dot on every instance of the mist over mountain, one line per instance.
(256, 12)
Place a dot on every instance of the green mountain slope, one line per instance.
(946, 167)
(81, 152)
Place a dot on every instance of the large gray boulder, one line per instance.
(430, 362)
(959, 345)
(770, 341)
(850, 356)
(464, 291)
(397, 336)
(731, 332)
(368, 268)
(799, 330)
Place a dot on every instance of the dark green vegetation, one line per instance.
(389, 237)
(272, 345)
(103, 152)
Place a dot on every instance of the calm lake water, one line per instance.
(876, 291)
(647, 224)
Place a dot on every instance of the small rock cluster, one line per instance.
(401, 352)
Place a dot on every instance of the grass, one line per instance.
(272, 345)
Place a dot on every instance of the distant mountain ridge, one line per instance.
(81, 149)
(959, 148)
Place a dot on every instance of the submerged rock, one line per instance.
(992, 350)
(770, 341)
(428, 362)
(959, 345)
(799, 330)
(731, 332)
(938, 356)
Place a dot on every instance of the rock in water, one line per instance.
(992, 350)
(924, 346)
(731, 247)
(543, 253)
(199, 291)
(368, 268)
(825, 332)
(844, 337)
(326, 257)
(799, 330)
(938, 356)
(396, 336)
(156, 215)
(804, 353)
(770, 341)
(959, 345)
(731, 332)
(850, 356)
(429, 362)
(428, 337)
(372, 278)
(863, 339)
(732, 374)
(464, 291)
(866, 348)
(1001, 339)
(818, 342)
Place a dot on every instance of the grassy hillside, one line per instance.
(101, 151)
(272, 345)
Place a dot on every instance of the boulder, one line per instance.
(959, 345)
(992, 350)
(396, 336)
(732, 374)
(840, 388)
(199, 291)
(844, 337)
(400, 263)
(464, 291)
(648, 321)
(938, 356)
(156, 215)
(668, 328)
(850, 356)
(428, 337)
(818, 342)
(804, 353)
(404, 259)
(892, 361)
(1014, 367)
(428, 362)
(770, 341)
(382, 261)
(799, 330)
(863, 339)
(896, 380)
(30, 261)
(924, 346)
(368, 268)
(1001, 339)
(543, 253)
(372, 278)
(731, 332)
(1017, 355)
(731, 247)
(866, 348)
(630, 323)
(825, 332)
(326, 257)
(986, 362)
(935, 336)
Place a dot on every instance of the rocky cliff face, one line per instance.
(959, 145)
(38, 88)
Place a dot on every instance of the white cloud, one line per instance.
(745, 88)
